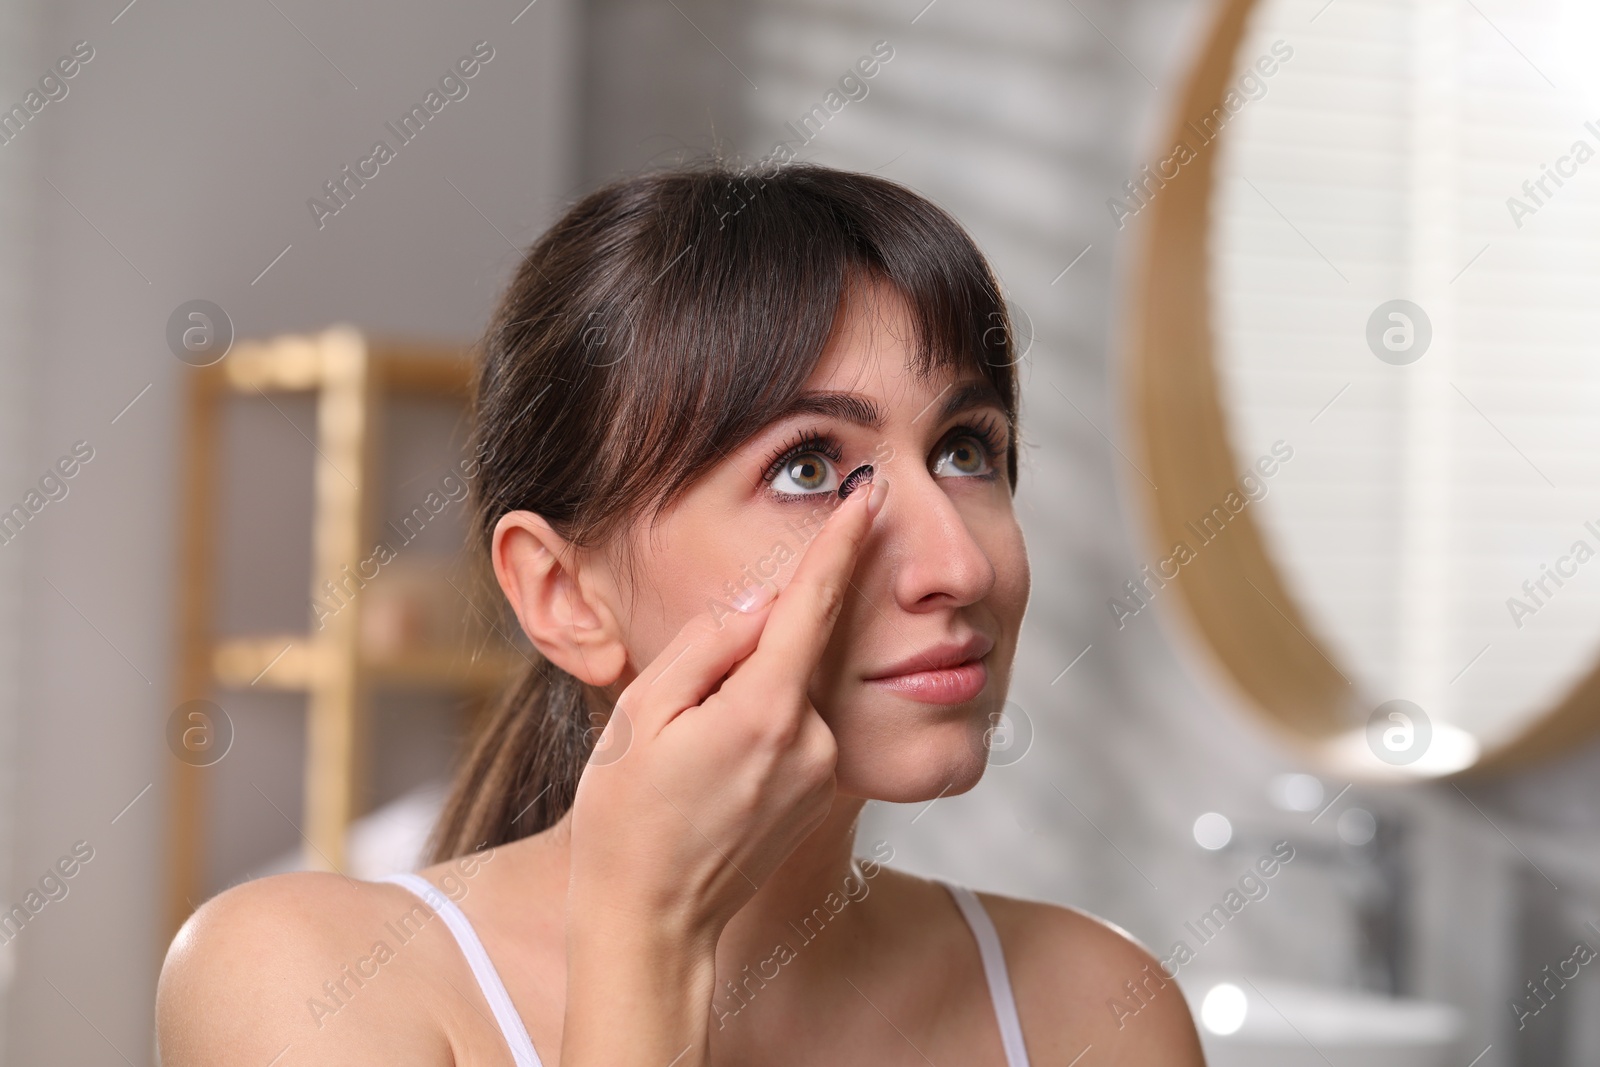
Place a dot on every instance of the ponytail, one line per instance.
(522, 769)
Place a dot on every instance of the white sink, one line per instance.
(1263, 1022)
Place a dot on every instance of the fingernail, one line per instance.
(880, 489)
(753, 597)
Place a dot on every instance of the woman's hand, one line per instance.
(728, 767)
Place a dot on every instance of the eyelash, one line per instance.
(804, 442)
(985, 430)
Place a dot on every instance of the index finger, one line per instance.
(801, 619)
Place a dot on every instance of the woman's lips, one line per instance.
(950, 672)
(945, 685)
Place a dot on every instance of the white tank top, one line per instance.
(521, 1045)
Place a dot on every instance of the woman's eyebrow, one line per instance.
(864, 411)
(976, 394)
(847, 407)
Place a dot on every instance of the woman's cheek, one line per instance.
(766, 555)
(671, 596)
(1008, 555)
(1025, 575)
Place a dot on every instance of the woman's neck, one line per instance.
(819, 874)
(798, 932)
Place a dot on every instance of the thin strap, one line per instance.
(994, 969)
(494, 990)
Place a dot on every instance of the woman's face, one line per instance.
(942, 579)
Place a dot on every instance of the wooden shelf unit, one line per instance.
(351, 377)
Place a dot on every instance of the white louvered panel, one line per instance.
(1407, 517)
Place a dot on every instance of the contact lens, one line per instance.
(862, 475)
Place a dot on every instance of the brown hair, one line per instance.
(659, 324)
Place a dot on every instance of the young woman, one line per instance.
(748, 448)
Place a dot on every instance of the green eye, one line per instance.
(808, 472)
(963, 457)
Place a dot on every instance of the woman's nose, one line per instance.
(936, 560)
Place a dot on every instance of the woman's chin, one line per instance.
(911, 762)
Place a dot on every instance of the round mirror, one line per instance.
(1365, 378)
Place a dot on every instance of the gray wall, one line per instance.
(184, 155)
(18, 35)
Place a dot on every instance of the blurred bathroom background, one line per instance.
(1135, 779)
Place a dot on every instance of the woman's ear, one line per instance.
(556, 598)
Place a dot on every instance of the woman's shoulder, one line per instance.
(1044, 929)
(1080, 980)
(283, 961)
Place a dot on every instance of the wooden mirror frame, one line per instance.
(1260, 636)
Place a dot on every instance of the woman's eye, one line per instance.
(808, 472)
(963, 457)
